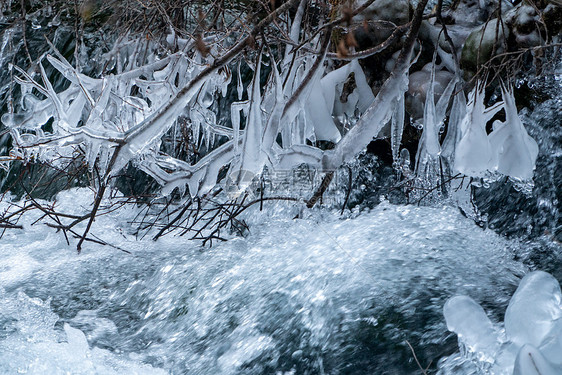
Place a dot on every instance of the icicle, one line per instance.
(514, 151)
(92, 153)
(235, 109)
(396, 129)
(429, 148)
(458, 112)
(251, 147)
(473, 153)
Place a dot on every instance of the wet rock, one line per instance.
(552, 16)
(419, 86)
(482, 44)
(525, 25)
(374, 32)
(395, 11)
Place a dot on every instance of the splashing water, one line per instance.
(320, 295)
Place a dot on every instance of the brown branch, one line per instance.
(320, 190)
(396, 34)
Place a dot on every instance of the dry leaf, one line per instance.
(201, 46)
(342, 51)
(350, 40)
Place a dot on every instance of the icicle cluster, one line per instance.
(467, 148)
(125, 114)
(123, 117)
(508, 149)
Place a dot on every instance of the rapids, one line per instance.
(326, 294)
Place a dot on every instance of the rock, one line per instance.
(524, 24)
(552, 16)
(480, 45)
(395, 11)
(419, 85)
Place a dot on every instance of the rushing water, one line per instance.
(320, 295)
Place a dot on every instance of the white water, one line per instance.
(320, 295)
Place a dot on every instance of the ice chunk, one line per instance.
(533, 326)
(473, 327)
(551, 346)
(530, 361)
(533, 309)
(76, 340)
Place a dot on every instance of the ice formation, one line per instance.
(473, 153)
(532, 341)
(514, 151)
(429, 148)
(122, 117)
(508, 149)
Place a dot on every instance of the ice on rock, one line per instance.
(473, 327)
(534, 309)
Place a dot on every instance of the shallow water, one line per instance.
(320, 295)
